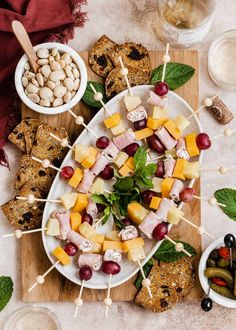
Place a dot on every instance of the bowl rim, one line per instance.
(216, 297)
(51, 110)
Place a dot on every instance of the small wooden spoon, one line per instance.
(24, 40)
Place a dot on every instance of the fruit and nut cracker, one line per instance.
(20, 213)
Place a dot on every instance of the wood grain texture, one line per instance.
(34, 259)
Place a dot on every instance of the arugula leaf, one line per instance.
(146, 268)
(107, 212)
(227, 196)
(101, 199)
(167, 253)
(88, 96)
(177, 74)
(124, 184)
(140, 158)
(6, 289)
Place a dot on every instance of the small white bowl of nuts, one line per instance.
(59, 83)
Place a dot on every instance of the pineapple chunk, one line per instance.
(143, 133)
(119, 129)
(191, 170)
(113, 236)
(112, 245)
(81, 152)
(132, 102)
(121, 159)
(166, 186)
(81, 202)
(158, 113)
(75, 221)
(137, 212)
(136, 254)
(174, 215)
(155, 123)
(61, 255)
(155, 202)
(53, 227)
(157, 182)
(124, 170)
(68, 200)
(179, 169)
(133, 243)
(181, 122)
(130, 163)
(87, 230)
(91, 159)
(172, 129)
(99, 238)
(191, 145)
(97, 187)
(113, 120)
(76, 178)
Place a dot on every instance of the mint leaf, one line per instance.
(117, 221)
(167, 253)
(140, 158)
(88, 96)
(149, 170)
(6, 289)
(227, 196)
(177, 74)
(146, 268)
(124, 184)
(143, 182)
(101, 199)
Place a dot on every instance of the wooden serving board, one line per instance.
(33, 256)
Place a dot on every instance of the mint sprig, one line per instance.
(6, 289)
(88, 96)
(167, 252)
(227, 197)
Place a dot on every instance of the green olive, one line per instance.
(223, 291)
(220, 272)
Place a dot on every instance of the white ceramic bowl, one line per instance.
(51, 110)
(221, 300)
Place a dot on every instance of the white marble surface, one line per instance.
(134, 20)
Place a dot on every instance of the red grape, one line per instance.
(110, 267)
(160, 169)
(161, 88)
(160, 231)
(85, 273)
(100, 207)
(86, 218)
(155, 144)
(186, 194)
(71, 249)
(67, 172)
(147, 196)
(140, 124)
(102, 142)
(127, 221)
(108, 172)
(131, 149)
(203, 141)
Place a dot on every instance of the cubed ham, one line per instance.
(124, 139)
(86, 182)
(176, 189)
(81, 242)
(110, 152)
(166, 139)
(156, 100)
(92, 208)
(99, 165)
(90, 259)
(149, 223)
(169, 165)
(64, 221)
(163, 208)
(181, 150)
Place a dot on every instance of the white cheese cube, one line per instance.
(53, 227)
(97, 187)
(132, 101)
(121, 158)
(119, 129)
(68, 200)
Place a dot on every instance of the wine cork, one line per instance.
(220, 111)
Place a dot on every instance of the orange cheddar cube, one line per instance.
(61, 255)
(155, 202)
(172, 129)
(124, 170)
(191, 145)
(91, 159)
(130, 163)
(81, 203)
(75, 221)
(166, 186)
(178, 172)
(76, 177)
(133, 243)
(113, 120)
(143, 133)
(112, 245)
(155, 123)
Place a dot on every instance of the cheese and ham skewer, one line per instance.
(123, 140)
(169, 165)
(176, 190)
(156, 100)
(93, 260)
(188, 194)
(166, 139)
(63, 218)
(111, 152)
(149, 223)
(91, 208)
(181, 150)
(79, 120)
(82, 243)
(86, 182)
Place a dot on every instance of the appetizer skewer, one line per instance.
(64, 142)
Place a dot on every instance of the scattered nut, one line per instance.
(27, 66)
(43, 53)
(54, 52)
(24, 81)
(45, 93)
(67, 97)
(46, 70)
(57, 102)
(32, 88)
(69, 84)
(59, 91)
(29, 75)
(55, 66)
(45, 102)
(51, 59)
(68, 71)
(51, 84)
(39, 78)
(66, 57)
(33, 97)
(57, 75)
(42, 61)
(35, 82)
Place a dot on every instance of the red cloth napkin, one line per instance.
(51, 20)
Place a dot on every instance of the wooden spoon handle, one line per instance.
(24, 40)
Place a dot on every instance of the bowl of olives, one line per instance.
(217, 273)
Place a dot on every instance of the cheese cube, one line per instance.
(157, 182)
(191, 170)
(91, 159)
(136, 254)
(99, 238)
(178, 172)
(130, 163)
(166, 186)
(155, 123)
(113, 236)
(158, 113)
(174, 215)
(112, 245)
(96, 248)
(133, 243)
(181, 122)
(155, 202)
(121, 159)
(81, 152)
(76, 178)
(132, 101)
(61, 255)
(75, 221)
(137, 212)
(143, 133)
(124, 170)
(68, 200)
(172, 129)
(81, 202)
(53, 227)
(87, 230)
(191, 145)
(97, 186)
(113, 120)
(119, 129)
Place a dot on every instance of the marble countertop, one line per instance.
(134, 20)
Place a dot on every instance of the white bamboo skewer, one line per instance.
(107, 300)
(178, 246)
(19, 233)
(145, 282)
(212, 201)
(227, 132)
(98, 221)
(79, 301)
(124, 72)
(207, 103)
(46, 163)
(31, 199)
(166, 59)
(201, 230)
(222, 170)
(98, 97)
(64, 142)
(79, 120)
(156, 158)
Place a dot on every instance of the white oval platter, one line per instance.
(176, 105)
